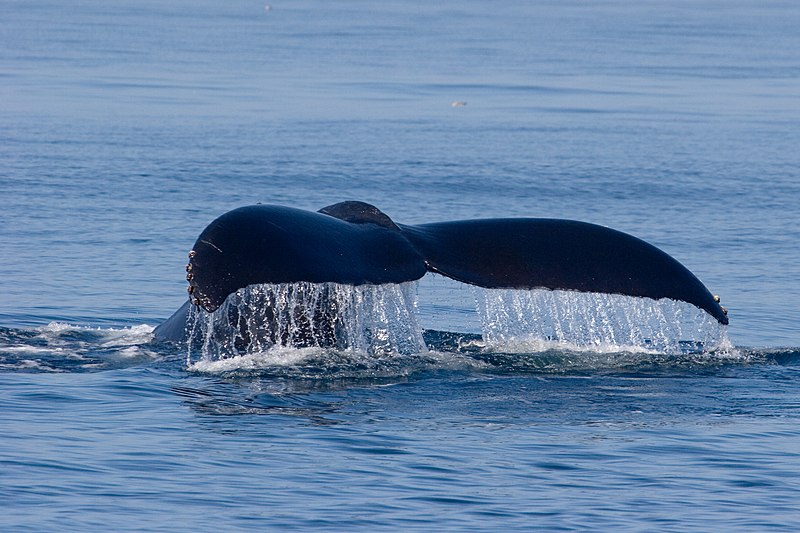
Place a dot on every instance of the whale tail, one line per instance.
(354, 243)
(543, 253)
(539, 253)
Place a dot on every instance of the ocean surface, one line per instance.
(126, 127)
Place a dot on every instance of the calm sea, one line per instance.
(126, 127)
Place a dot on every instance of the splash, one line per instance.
(368, 319)
(538, 320)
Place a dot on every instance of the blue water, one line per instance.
(126, 127)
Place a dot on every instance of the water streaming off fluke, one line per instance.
(534, 320)
(382, 320)
(370, 319)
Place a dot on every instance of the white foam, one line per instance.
(315, 362)
(32, 350)
(277, 356)
(29, 364)
(60, 340)
(534, 344)
(57, 327)
(138, 334)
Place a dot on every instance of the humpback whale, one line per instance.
(354, 243)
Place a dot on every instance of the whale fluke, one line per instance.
(354, 243)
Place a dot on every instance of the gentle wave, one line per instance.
(464, 352)
(62, 347)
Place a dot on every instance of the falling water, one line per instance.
(370, 319)
(381, 320)
(533, 320)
